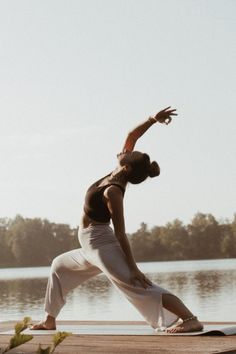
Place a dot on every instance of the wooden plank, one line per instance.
(131, 344)
(92, 344)
(32, 346)
(226, 352)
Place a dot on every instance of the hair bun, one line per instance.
(154, 169)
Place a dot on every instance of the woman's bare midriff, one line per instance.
(86, 221)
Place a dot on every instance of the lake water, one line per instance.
(207, 287)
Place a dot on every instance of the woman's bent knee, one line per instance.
(57, 265)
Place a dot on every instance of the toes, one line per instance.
(41, 326)
(38, 326)
(170, 330)
(175, 329)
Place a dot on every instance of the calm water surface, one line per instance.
(208, 287)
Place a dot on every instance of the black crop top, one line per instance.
(94, 205)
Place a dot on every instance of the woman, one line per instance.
(108, 251)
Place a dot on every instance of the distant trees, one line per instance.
(5, 252)
(204, 238)
(35, 242)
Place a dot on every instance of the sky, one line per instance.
(76, 76)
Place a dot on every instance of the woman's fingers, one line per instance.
(140, 278)
(171, 112)
(144, 281)
(168, 120)
(148, 281)
(165, 113)
(133, 280)
(167, 109)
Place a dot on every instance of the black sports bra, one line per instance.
(94, 205)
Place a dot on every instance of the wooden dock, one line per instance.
(113, 344)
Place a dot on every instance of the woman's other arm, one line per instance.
(164, 117)
(114, 198)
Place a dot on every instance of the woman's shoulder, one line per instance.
(110, 183)
(114, 191)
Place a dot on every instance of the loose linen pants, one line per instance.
(101, 252)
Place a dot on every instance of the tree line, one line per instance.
(35, 242)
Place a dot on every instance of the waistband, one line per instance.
(95, 227)
(96, 236)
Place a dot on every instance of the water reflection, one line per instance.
(209, 293)
(202, 282)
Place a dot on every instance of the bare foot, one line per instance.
(48, 324)
(192, 325)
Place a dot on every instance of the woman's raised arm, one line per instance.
(164, 117)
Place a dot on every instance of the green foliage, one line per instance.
(18, 338)
(43, 351)
(204, 238)
(21, 326)
(57, 339)
(35, 242)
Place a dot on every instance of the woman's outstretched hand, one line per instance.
(164, 116)
(136, 275)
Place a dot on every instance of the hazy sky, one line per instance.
(76, 76)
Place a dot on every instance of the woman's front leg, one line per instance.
(189, 322)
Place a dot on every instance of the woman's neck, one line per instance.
(119, 176)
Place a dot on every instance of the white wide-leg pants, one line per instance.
(101, 252)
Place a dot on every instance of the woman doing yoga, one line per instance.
(104, 250)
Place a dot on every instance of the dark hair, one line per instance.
(141, 168)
